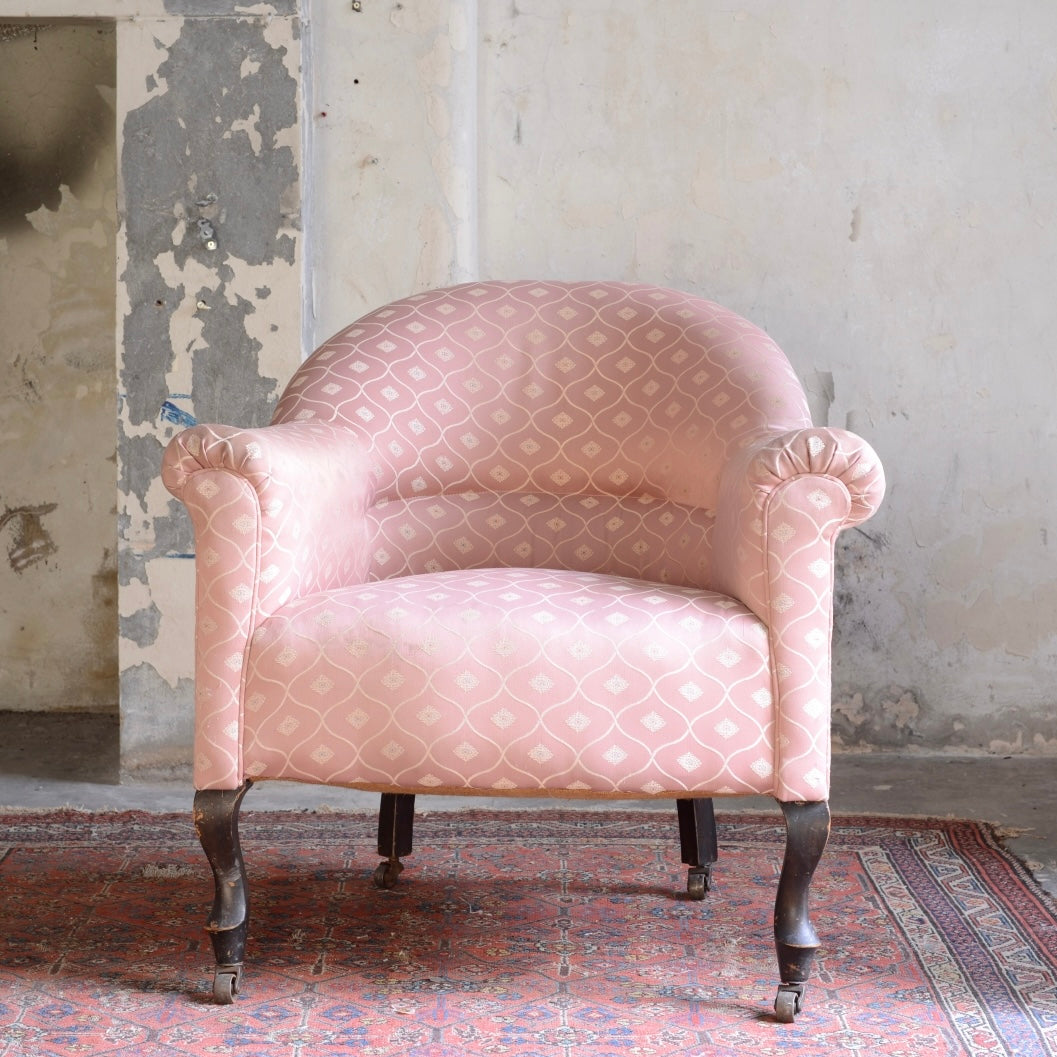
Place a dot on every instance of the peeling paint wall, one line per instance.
(58, 220)
(209, 305)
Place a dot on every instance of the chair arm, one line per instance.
(784, 499)
(278, 513)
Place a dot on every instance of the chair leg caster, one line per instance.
(387, 872)
(698, 881)
(788, 1002)
(227, 981)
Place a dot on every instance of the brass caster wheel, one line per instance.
(227, 981)
(387, 872)
(698, 881)
(788, 1002)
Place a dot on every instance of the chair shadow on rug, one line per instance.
(524, 539)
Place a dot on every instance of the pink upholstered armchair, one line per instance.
(535, 538)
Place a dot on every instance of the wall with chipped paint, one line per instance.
(872, 183)
(58, 223)
(209, 303)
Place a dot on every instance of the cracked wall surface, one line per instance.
(58, 222)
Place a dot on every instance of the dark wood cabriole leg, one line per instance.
(216, 818)
(697, 839)
(396, 821)
(795, 939)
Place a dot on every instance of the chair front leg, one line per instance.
(216, 818)
(795, 939)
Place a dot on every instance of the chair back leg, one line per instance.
(697, 839)
(396, 822)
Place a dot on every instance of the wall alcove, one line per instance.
(58, 226)
(113, 146)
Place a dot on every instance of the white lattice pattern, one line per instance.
(513, 680)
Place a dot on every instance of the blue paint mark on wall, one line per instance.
(176, 415)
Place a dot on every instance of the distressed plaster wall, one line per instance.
(873, 183)
(58, 222)
(209, 304)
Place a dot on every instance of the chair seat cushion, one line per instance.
(513, 681)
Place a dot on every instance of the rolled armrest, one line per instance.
(278, 513)
(824, 479)
(833, 453)
(783, 501)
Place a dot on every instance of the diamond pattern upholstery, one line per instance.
(525, 538)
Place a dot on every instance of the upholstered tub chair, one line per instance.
(526, 539)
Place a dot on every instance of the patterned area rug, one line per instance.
(530, 934)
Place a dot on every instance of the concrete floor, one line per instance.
(49, 761)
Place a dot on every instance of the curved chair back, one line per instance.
(578, 426)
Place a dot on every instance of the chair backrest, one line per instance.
(546, 424)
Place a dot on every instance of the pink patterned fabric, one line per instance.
(513, 679)
(538, 537)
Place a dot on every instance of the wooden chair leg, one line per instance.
(396, 821)
(216, 819)
(697, 838)
(795, 939)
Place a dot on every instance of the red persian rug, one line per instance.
(529, 934)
